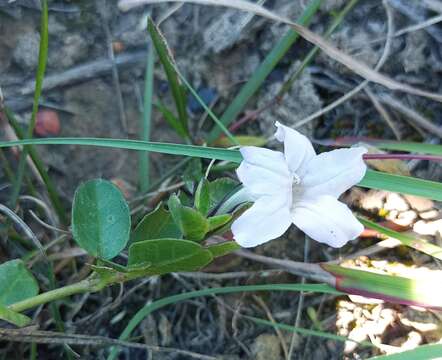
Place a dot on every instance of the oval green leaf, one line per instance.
(16, 283)
(168, 255)
(158, 224)
(100, 219)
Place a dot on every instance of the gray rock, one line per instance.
(299, 102)
(414, 57)
(395, 202)
(26, 50)
(73, 49)
(266, 347)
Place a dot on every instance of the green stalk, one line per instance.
(266, 67)
(50, 186)
(42, 58)
(311, 55)
(145, 125)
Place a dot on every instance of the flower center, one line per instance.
(297, 190)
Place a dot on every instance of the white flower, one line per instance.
(298, 187)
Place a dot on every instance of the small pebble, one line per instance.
(47, 123)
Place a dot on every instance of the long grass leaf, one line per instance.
(417, 244)
(264, 69)
(50, 186)
(402, 184)
(42, 58)
(372, 180)
(356, 66)
(307, 332)
(427, 352)
(396, 289)
(149, 308)
(166, 59)
(145, 120)
(165, 148)
(312, 54)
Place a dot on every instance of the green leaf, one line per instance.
(220, 189)
(100, 219)
(224, 248)
(218, 221)
(202, 197)
(397, 289)
(16, 283)
(417, 244)
(192, 224)
(168, 255)
(172, 121)
(158, 224)
(14, 317)
(167, 61)
(402, 184)
(427, 352)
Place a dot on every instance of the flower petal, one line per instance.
(333, 172)
(265, 158)
(327, 220)
(298, 150)
(268, 218)
(260, 181)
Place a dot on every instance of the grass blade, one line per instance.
(165, 148)
(417, 244)
(307, 332)
(42, 58)
(396, 289)
(50, 186)
(261, 73)
(311, 55)
(146, 121)
(166, 59)
(372, 180)
(427, 352)
(149, 308)
(402, 184)
(358, 67)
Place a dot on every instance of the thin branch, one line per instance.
(51, 337)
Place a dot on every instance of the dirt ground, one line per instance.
(217, 50)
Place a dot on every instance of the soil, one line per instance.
(217, 50)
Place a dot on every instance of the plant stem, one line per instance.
(90, 284)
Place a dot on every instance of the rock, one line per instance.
(429, 215)
(47, 123)
(27, 49)
(73, 49)
(299, 102)
(225, 31)
(395, 202)
(414, 54)
(266, 347)
(405, 218)
(131, 29)
(373, 200)
(419, 203)
(428, 227)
